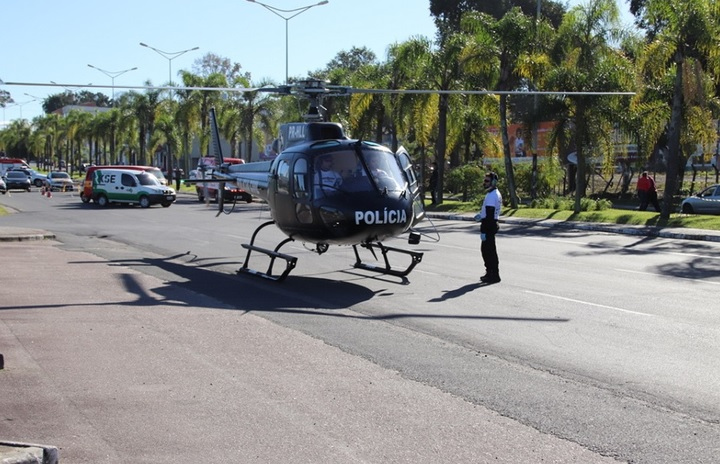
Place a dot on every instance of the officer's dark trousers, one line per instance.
(489, 255)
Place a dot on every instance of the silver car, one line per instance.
(58, 180)
(705, 202)
(3, 187)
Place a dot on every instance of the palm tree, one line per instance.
(166, 136)
(684, 40)
(201, 101)
(586, 61)
(502, 44)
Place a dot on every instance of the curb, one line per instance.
(25, 453)
(15, 234)
(647, 231)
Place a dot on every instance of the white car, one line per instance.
(3, 187)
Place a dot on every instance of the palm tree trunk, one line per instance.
(509, 173)
(580, 184)
(440, 143)
(673, 156)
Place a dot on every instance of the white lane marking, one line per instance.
(700, 281)
(558, 240)
(587, 303)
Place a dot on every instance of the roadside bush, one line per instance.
(568, 204)
(466, 180)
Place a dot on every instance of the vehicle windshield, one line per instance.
(370, 168)
(18, 174)
(158, 174)
(61, 175)
(148, 179)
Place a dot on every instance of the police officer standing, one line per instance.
(488, 217)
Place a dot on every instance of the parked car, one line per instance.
(58, 180)
(17, 180)
(705, 202)
(3, 187)
(37, 179)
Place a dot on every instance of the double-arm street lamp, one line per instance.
(295, 12)
(20, 105)
(112, 75)
(169, 56)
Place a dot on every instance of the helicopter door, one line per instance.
(404, 160)
(282, 203)
(301, 191)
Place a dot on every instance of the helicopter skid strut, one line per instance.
(290, 261)
(415, 256)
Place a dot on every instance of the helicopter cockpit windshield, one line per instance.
(370, 168)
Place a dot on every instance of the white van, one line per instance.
(129, 186)
(6, 164)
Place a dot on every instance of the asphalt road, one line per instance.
(594, 345)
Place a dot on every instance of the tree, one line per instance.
(586, 62)
(201, 101)
(5, 98)
(684, 40)
(448, 13)
(502, 43)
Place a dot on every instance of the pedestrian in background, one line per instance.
(434, 182)
(647, 192)
(643, 189)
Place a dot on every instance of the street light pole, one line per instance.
(24, 103)
(112, 75)
(169, 56)
(287, 19)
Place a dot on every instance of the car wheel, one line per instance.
(687, 208)
(201, 198)
(248, 198)
(144, 201)
(102, 201)
(165, 204)
(84, 198)
(38, 183)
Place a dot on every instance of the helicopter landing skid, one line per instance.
(415, 256)
(290, 261)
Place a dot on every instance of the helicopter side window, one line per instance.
(283, 177)
(407, 167)
(300, 173)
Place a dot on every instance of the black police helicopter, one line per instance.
(327, 189)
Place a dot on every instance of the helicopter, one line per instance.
(327, 189)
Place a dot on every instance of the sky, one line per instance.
(50, 40)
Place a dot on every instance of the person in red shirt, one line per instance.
(643, 190)
(647, 193)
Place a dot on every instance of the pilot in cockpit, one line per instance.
(326, 176)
